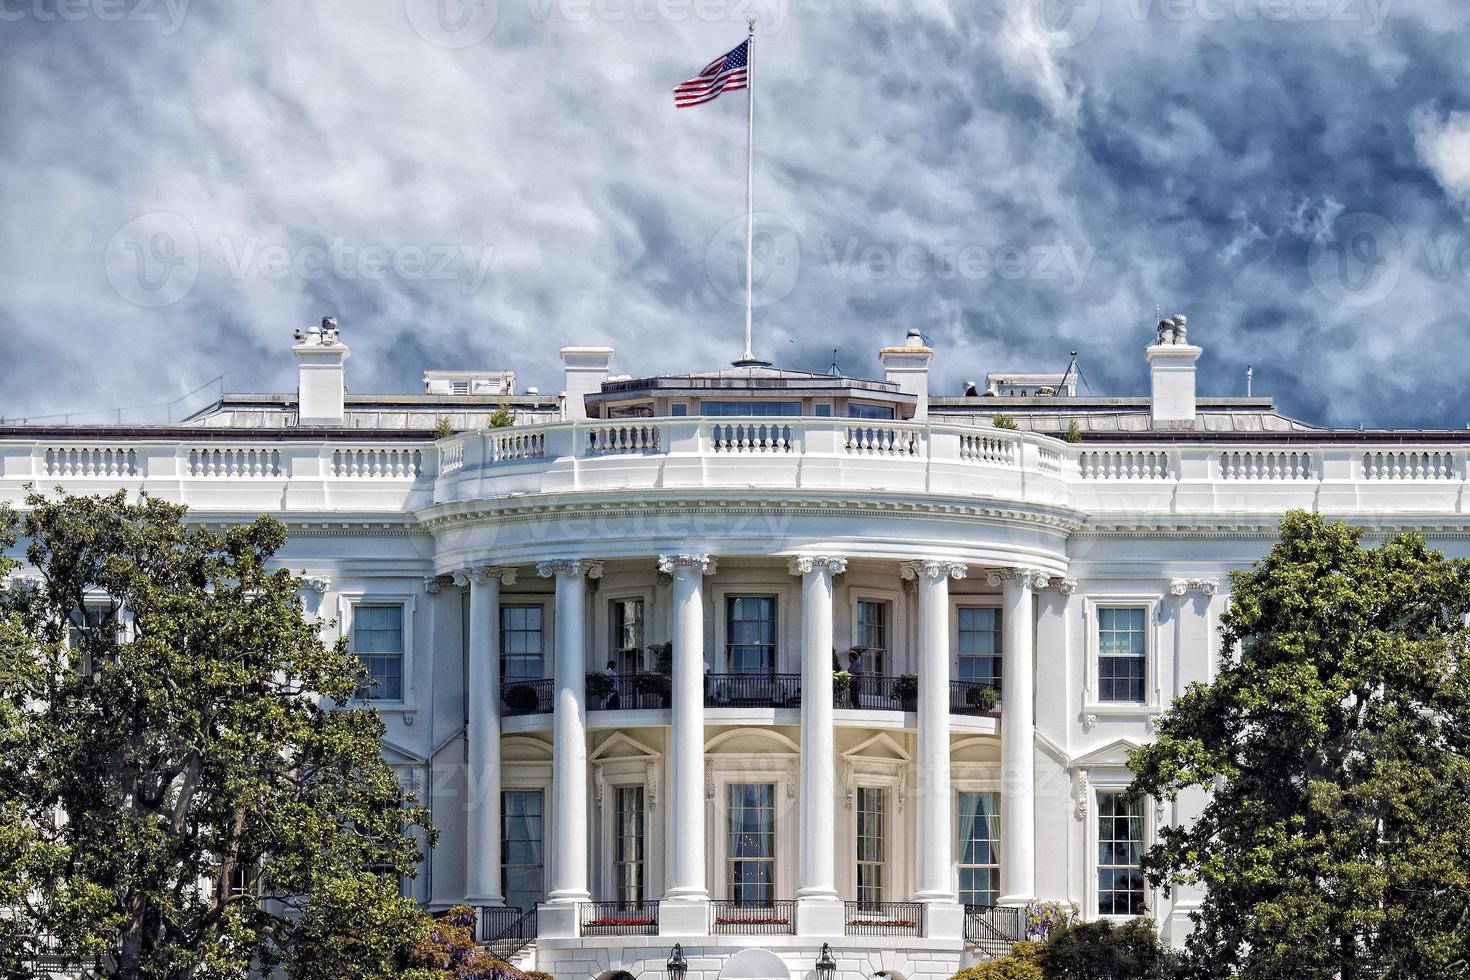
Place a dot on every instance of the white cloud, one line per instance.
(1444, 146)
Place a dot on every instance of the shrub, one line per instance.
(651, 683)
(501, 418)
(1005, 968)
(841, 685)
(442, 428)
(906, 687)
(1003, 421)
(537, 975)
(522, 697)
(663, 658)
(1074, 432)
(599, 686)
(1100, 949)
(983, 698)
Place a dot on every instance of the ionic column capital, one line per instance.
(1204, 586)
(481, 574)
(801, 564)
(933, 569)
(703, 564)
(1030, 578)
(1066, 586)
(317, 583)
(575, 567)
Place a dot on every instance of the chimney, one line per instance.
(320, 380)
(1171, 368)
(586, 369)
(908, 367)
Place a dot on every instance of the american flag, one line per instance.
(727, 73)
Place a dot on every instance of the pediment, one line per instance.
(1113, 754)
(622, 748)
(751, 741)
(524, 748)
(397, 755)
(880, 748)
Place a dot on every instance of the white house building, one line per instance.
(605, 639)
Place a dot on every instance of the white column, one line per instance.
(819, 908)
(482, 824)
(936, 833)
(1018, 732)
(684, 910)
(569, 727)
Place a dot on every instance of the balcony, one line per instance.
(618, 918)
(752, 691)
(882, 918)
(627, 692)
(776, 918)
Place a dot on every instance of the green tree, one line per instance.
(1103, 951)
(1336, 741)
(501, 418)
(215, 805)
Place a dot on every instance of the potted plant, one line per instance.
(521, 698)
(983, 698)
(599, 686)
(841, 687)
(906, 690)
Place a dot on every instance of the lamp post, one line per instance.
(677, 966)
(826, 965)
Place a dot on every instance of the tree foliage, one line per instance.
(1336, 742)
(1104, 951)
(180, 794)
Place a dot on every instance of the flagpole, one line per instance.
(748, 359)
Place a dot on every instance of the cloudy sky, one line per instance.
(470, 184)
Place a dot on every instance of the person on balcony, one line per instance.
(614, 700)
(855, 670)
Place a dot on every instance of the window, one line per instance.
(1121, 654)
(1119, 851)
(521, 643)
(871, 807)
(872, 635)
(857, 410)
(750, 628)
(89, 621)
(750, 408)
(822, 411)
(628, 845)
(979, 848)
(679, 410)
(377, 639)
(751, 855)
(521, 829)
(979, 645)
(627, 634)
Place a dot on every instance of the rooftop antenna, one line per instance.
(834, 370)
(1250, 373)
(1074, 366)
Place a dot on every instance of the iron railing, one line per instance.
(632, 691)
(526, 697)
(993, 929)
(882, 918)
(618, 918)
(879, 692)
(966, 697)
(776, 918)
(752, 690)
(517, 932)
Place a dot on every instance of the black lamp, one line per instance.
(677, 965)
(826, 965)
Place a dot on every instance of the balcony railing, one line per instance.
(526, 697)
(506, 930)
(879, 692)
(777, 918)
(632, 691)
(973, 697)
(882, 918)
(993, 929)
(618, 918)
(752, 690)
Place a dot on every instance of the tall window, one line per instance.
(628, 845)
(979, 645)
(979, 848)
(1122, 654)
(1119, 852)
(859, 410)
(522, 639)
(627, 634)
(522, 826)
(751, 629)
(871, 840)
(751, 854)
(872, 635)
(377, 639)
(750, 408)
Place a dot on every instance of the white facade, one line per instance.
(484, 575)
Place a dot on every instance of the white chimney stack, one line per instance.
(1171, 368)
(908, 367)
(586, 369)
(321, 387)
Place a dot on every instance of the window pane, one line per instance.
(857, 410)
(751, 849)
(871, 838)
(1120, 886)
(750, 408)
(1122, 659)
(872, 635)
(521, 847)
(979, 848)
(628, 845)
(979, 645)
(521, 643)
(377, 639)
(750, 626)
